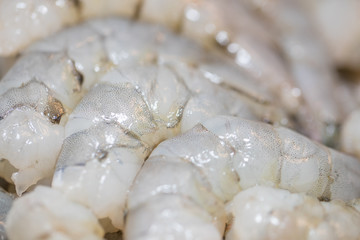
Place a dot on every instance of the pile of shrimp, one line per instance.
(179, 119)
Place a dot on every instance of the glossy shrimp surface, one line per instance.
(272, 42)
(142, 133)
(122, 132)
(112, 109)
(50, 69)
(267, 213)
(49, 215)
(236, 154)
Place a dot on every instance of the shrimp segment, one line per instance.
(236, 154)
(267, 213)
(55, 70)
(103, 152)
(25, 21)
(33, 113)
(171, 217)
(46, 214)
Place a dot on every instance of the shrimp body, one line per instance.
(235, 154)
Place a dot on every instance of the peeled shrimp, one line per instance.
(36, 94)
(60, 71)
(123, 117)
(195, 181)
(134, 94)
(45, 213)
(268, 213)
(254, 44)
(212, 22)
(31, 134)
(94, 92)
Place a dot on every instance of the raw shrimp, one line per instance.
(31, 136)
(36, 94)
(253, 45)
(193, 181)
(46, 213)
(210, 25)
(123, 117)
(47, 82)
(268, 213)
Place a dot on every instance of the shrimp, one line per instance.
(253, 46)
(120, 121)
(234, 155)
(110, 91)
(60, 72)
(31, 134)
(45, 213)
(268, 213)
(36, 94)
